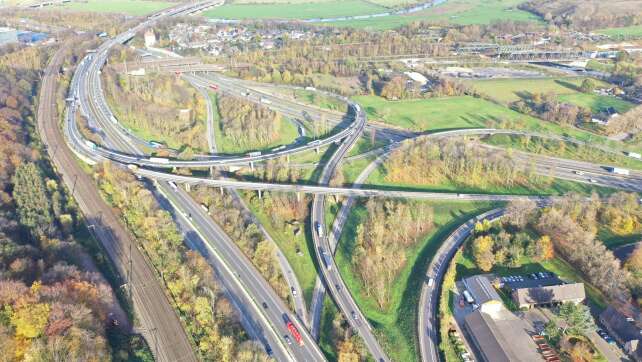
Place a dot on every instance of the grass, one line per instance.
(287, 134)
(612, 240)
(456, 12)
(309, 10)
(445, 113)
(129, 7)
(397, 324)
(596, 103)
(634, 31)
(562, 149)
(303, 264)
(326, 342)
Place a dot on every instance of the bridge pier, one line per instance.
(298, 196)
(252, 165)
(221, 188)
(316, 149)
(260, 194)
(188, 187)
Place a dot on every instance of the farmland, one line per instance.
(129, 7)
(625, 32)
(298, 10)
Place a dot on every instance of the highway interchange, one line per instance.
(236, 272)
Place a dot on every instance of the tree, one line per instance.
(577, 317)
(544, 248)
(588, 85)
(519, 212)
(483, 252)
(31, 198)
(634, 262)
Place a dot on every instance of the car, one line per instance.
(337, 286)
(579, 173)
(592, 180)
(354, 315)
(293, 291)
(534, 276)
(265, 306)
(287, 339)
(268, 349)
(541, 275)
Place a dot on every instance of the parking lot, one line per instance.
(540, 279)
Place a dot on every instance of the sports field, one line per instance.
(297, 10)
(129, 7)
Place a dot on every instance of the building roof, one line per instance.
(481, 289)
(550, 294)
(501, 337)
(617, 323)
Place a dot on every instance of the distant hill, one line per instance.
(587, 14)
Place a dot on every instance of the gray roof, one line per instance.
(481, 289)
(617, 323)
(502, 337)
(550, 294)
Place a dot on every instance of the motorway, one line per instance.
(272, 320)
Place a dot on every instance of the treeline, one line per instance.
(397, 87)
(247, 124)
(348, 344)
(390, 228)
(159, 106)
(425, 161)
(78, 20)
(547, 107)
(246, 234)
(568, 228)
(52, 304)
(210, 319)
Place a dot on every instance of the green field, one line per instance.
(310, 10)
(460, 12)
(396, 326)
(130, 7)
(567, 90)
(467, 112)
(287, 134)
(634, 31)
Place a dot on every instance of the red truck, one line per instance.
(295, 333)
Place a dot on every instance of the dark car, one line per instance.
(268, 349)
(265, 306)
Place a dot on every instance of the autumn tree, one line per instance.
(483, 252)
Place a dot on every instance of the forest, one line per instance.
(382, 239)
(247, 124)
(54, 304)
(461, 162)
(151, 106)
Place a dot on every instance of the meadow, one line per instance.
(129, 7)
(297, 10)
(634, 31)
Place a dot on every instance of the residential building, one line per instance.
(626, 332)
(549, 295)
(150, 38)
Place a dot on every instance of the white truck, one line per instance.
(159, 160)
(254, 154)
(618, 170)
(633, 155)
(319, 229)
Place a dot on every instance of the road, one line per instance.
(156, 317)
(330, 272)
(86, 87)
(428, 323)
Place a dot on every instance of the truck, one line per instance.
(254, 154)
(113, 119)
(295, 333)
(633, 155)
(618, 170)
(310, 88)
(277, 149)
(159, 160)
(319, 229)
(266, 101)
(327, 260)
(90, 144)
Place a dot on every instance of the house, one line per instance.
(150, 38)
(627, 333)
(549, 295)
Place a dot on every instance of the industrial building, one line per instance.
(549, 295)
(497, 334)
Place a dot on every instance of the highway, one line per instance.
(272, 320)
